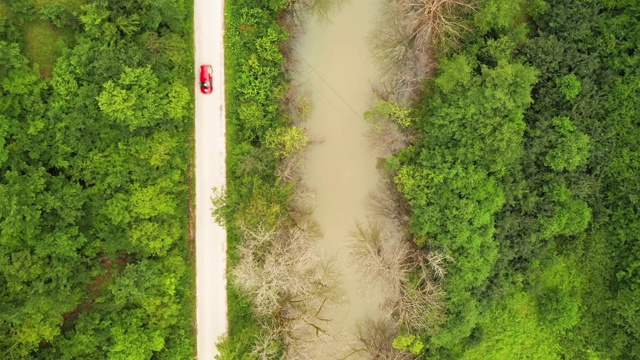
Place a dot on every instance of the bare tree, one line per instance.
(300, 209)
(297, 103)
(409, 275)
(434, 22)
(298, 10)
(407, 36)
(374, 341)
(388, 203)
(290, 287)
(380, 258)
(267, 344)
(418, 305)
(392, 50)
(387, 137)
(289, 169)
(390, 130)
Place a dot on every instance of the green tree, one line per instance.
(570, 148)
(131, 340)
(133, 99)
(409, 343)
(569, 216)
(569, 85)
(287, 141)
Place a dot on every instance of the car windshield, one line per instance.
(205, 84)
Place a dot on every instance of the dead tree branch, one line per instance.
(408, 36)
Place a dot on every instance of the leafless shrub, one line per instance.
(289, 169)
(374, 341)
(380, 260)
(287, 48)
(388, 203)
(299, 10)
(389, 122)
(436, 261)
(388, 137)
(434, 22)
(278, 268)
(418, 306)
(266, 346)
(304, 325)
(397, 60)
(408, 275)
(297, 103)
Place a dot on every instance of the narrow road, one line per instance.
(211, 239)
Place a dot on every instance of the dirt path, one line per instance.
(211, 239)
(337, 68)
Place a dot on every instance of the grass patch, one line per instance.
(44, 44)
(43, 40)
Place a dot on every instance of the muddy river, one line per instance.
(336, 68)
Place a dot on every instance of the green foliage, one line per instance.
(498, 15)
(132, 99)
(570, 148)
(43, 44)
(93, 209)
(569, 85)
(471, 132)
(24, 10)
(558, 308)
(228, 349)
(286, 141)
(586, 81)
(410, 343)
(389, 109)
(93, 17)
(569, 216)
(263, 207)
(510, 330)
(58, 14)
(557, 294)
(256, 62)
(537, 7)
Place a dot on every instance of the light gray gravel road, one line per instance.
(211, 239)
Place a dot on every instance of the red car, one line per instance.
(206, 79)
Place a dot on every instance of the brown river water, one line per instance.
(336, 68)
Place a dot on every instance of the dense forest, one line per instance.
(525, 171)
(95, 146)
